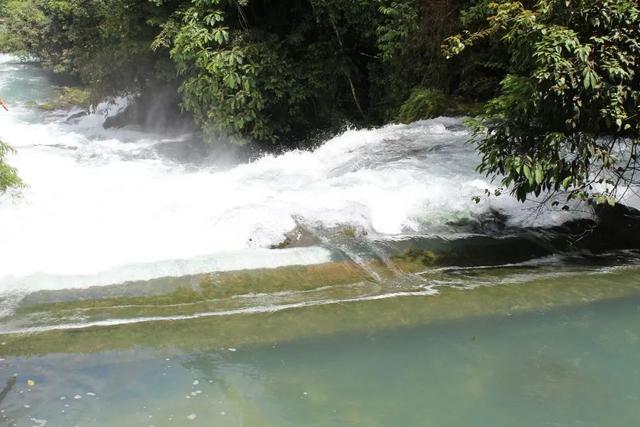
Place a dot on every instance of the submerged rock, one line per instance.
(298, 237)
(613, 229)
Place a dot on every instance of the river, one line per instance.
(146, 279)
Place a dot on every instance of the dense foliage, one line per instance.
(567, 114)
(8, 175)
(267, 70)
(274, 70)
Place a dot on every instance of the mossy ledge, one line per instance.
(66, 97)
(450, 304)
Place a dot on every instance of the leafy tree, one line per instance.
(8, 175)
(269, 70)
(566, 116)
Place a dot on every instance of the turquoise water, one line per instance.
(567, 367)
(23, 84)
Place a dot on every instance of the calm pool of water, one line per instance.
(575, 366)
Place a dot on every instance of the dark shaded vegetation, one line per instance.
(261, 70)
(558, 79)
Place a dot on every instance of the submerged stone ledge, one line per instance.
(387, 310)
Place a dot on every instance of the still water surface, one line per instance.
(565, 367)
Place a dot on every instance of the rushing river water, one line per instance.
(148, 280)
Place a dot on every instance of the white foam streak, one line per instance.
(241, 311)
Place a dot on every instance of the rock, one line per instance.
(296, 238)
(75, 116)
(157, 109)
(618, 227)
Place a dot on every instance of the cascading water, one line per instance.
(105, 207)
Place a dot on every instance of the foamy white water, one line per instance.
(108, 205)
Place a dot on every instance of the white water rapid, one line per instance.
(107, 206)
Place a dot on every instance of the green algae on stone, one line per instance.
(450, 304)
(67, 97)
(204, 287)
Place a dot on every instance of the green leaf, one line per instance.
(539, 175)
(527, 173)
